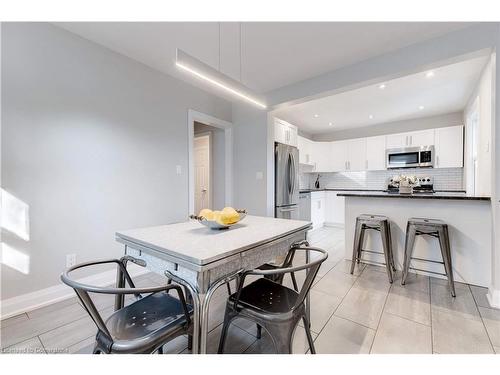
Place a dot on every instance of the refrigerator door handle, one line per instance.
(293, 182)
(288, 209)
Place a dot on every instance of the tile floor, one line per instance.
(360, 313)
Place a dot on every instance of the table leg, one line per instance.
(308, 297)
(205, 299)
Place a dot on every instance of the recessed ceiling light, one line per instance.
(316, 116)
(421, 107)
(370, 117)
(382, 86)
(330, 123)
(429, 74)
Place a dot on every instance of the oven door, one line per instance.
(403, 158)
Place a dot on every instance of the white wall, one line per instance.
(483, 92)
(218, 162)
(91, 140)
(431, 122)
(253, 160)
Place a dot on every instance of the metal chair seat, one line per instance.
(145, 325)
(153, 318)
(271, 305)
(265, 295)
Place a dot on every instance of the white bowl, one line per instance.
(212, 224)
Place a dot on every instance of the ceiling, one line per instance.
(273, 54)
(408, 97)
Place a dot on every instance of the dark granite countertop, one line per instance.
(436, 195)
(329, 189)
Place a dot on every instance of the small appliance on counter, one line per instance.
(316, 184)
(423, 185)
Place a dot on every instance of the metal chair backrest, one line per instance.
(82, 290)
(312, 268)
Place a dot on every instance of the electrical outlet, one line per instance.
(70, 260)
(178, 169)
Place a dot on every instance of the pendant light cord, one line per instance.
(219, 46)
(241, 80)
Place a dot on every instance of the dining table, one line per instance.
(203, 259)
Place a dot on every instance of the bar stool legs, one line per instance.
(434, 228)
(444, 242)
(382, 225)
(384, 230)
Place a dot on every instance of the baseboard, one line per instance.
(493, 297)
(334, 225)
(34, 300)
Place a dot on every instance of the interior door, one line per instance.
(202, 173)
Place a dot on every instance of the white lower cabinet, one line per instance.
(334, 208)
(318, 209)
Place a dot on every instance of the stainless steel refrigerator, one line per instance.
(286, 181)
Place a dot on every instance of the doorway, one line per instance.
(202, 171)
(210, 162)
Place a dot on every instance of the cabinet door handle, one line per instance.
(411, 140)
(366, 164)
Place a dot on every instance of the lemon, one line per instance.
(217, 216)
(207, 214)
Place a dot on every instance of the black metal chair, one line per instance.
(143, 326)
(273, 306)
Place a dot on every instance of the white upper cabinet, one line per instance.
(368, 154)
(375, 153)
(305, 146)
(285, 132)
(321, 157)
(449, 147)
(421, 138)
(411, 139)
(397, 140)
(338, 156)
(356, 154)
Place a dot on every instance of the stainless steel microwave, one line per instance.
(410, 157)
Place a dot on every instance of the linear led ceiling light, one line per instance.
(207, 73)
(215, 77)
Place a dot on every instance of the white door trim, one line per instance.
(228, 134)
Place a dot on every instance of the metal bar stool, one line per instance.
(381, 224)
(435, 228)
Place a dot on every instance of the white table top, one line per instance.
(195, 243)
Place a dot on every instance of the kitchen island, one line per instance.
(468, 218)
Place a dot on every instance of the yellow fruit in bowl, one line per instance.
(207, 214)
(228, 217)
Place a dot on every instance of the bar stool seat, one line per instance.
(430, 227)
(381, 224)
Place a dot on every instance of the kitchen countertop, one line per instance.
(436, 195)
(329, 189)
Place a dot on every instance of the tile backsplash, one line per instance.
(444, 179)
